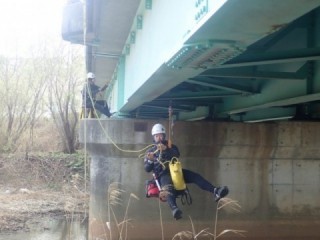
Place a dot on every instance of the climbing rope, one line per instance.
(85, 125)
(170, 111)
(142, 155)
(104, 130)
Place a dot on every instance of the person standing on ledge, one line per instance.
(89, 93)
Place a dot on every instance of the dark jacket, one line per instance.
(89, 89)
(166, 156)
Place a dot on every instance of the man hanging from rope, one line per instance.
(157, 160)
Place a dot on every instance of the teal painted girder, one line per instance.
(253, 73)
(227, 62)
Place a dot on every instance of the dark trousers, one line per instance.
(102, 107)
(189, 177)
(201, 182)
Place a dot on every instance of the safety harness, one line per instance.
(153, 189)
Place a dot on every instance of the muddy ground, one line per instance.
(34, 187)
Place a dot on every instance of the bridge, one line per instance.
(221, 66)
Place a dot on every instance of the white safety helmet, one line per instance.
(158, 128)
(91, 75)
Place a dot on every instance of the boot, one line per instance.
(176, 212)
(220, 192)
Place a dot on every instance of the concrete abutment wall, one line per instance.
(272, 170)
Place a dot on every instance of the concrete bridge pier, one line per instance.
(272, 170)
(99, 213)
(109, 145)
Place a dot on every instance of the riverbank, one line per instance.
(37, 187)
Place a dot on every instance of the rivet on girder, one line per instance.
(148, 4)
(201, 7)
(132, 37)
(139, 21)
(128, 49)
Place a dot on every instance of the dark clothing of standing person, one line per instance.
(157, 160)
(89, 92)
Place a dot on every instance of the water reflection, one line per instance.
(56, 230)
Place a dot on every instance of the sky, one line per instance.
(24, 23)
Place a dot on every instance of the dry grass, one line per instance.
(205, 233)
(113, 199)
(40, 170)
(50, 184)
(39, 185)
(232, 205)
(116, 227)
(192, 234)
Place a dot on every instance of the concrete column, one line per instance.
(272, 170)
(109, 144)
(103, 173)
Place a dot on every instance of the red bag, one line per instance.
(151, 189)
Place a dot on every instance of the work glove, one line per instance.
(161, 147)
(150, 156)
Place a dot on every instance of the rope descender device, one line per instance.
(170, 111)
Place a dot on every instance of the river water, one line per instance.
(55, 230)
